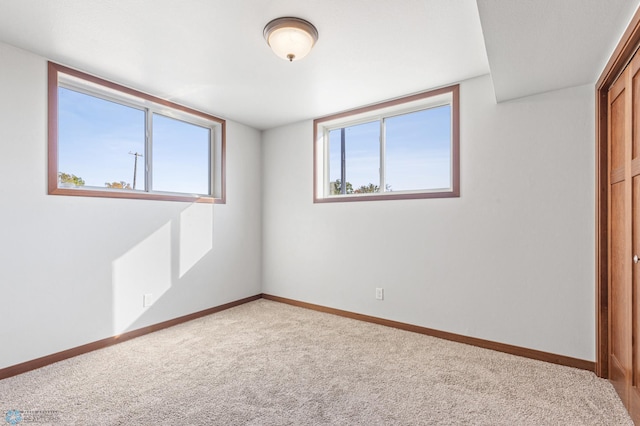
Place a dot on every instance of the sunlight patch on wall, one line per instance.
(196, 235)
(145, 269)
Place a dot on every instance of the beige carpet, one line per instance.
(266, 363)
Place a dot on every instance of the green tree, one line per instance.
(70, 179)
(336, 187)
(118, 185)
(371, 188)
(367, 189)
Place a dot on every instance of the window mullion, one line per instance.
(148, 146)
(325, 164)
(383, 147)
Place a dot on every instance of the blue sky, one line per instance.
(95, 138)
(417, 151)
(180, 156)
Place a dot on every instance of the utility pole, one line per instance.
(135, 166)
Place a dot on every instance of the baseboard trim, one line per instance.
(474, 341)
(109, 341)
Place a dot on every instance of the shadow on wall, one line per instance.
(150, 267)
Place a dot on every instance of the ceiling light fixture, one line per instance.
(290, 38)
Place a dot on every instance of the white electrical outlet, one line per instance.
(380, 293)
(147, 300)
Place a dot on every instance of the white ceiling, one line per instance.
(542, 45)
(210, 54)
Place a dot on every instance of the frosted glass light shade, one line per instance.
(290, 38)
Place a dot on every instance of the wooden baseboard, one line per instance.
(109, 341)
(474, 341)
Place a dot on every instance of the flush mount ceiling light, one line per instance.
(290, 38)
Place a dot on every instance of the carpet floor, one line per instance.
(267, 363)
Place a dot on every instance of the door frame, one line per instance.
(618, 61)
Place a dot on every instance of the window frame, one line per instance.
(217, 149)
(380, 111)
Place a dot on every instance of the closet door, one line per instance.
(624, 232)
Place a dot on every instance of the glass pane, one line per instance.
(97, 142)
(181, 156)
(362, 158)
(418, 150)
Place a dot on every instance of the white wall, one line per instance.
(511, 260)
(73, 269)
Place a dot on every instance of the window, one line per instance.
(107, 140)
(405, 148)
